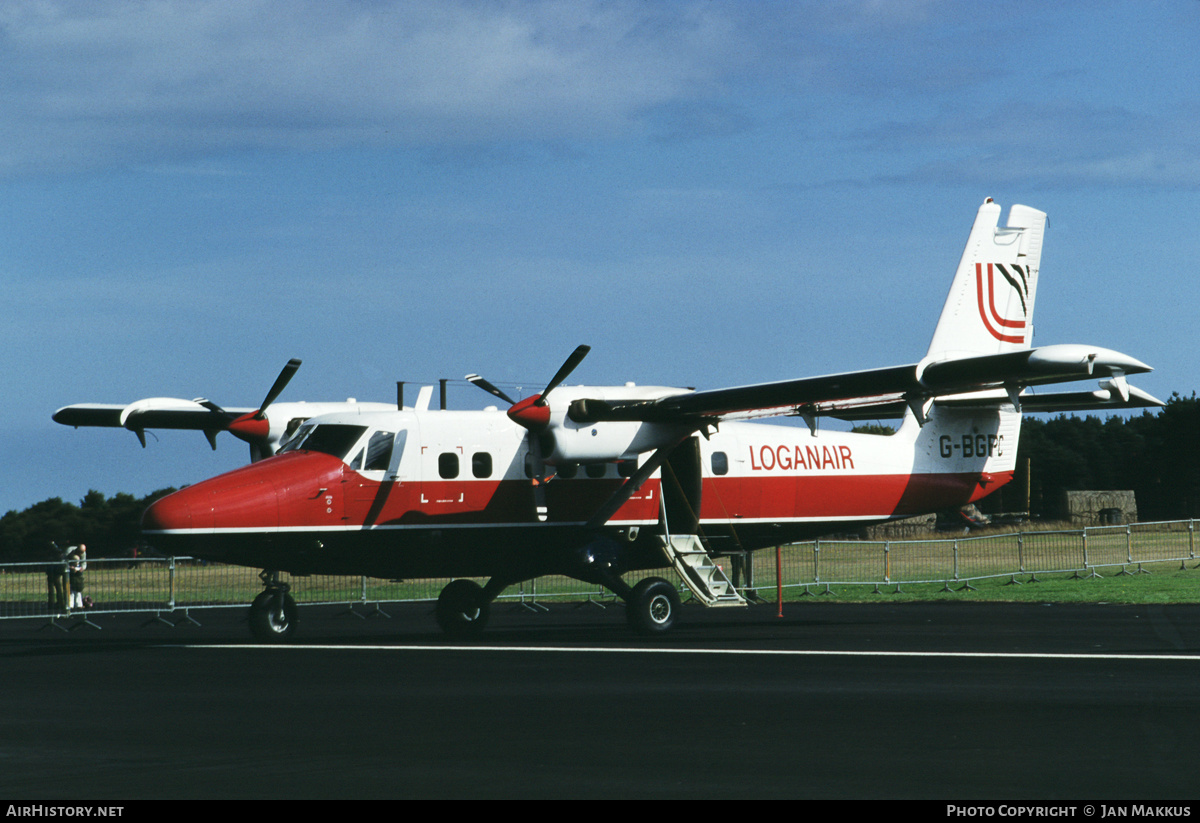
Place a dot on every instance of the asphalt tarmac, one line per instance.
(932, 701)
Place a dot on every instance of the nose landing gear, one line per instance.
(273, 613)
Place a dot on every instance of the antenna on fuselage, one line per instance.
(424, 395)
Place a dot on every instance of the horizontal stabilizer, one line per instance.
(1099, 400)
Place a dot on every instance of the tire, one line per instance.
(653, 607)
(462, 609)
(268, 622)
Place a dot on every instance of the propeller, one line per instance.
(254, 427)
(285, 377)
(534, 414)
(489, 388)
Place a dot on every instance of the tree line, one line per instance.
(1156, 454)
(109, 526)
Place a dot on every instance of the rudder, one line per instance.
(990, 306)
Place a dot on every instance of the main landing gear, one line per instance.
(651, 607)
(462, 608)
(273, 613)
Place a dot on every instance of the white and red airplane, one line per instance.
(598, 482)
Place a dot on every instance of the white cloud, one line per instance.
(1057, 143)
(99, 83)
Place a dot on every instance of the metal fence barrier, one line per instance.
(174, 585)
(1081, 552)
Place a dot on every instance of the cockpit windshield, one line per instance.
(330, 438)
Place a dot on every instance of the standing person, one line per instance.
(56, 595)
(76, 566)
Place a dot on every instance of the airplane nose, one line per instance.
(245, 509)
(232, 501)
(169, 523)
(167, 514)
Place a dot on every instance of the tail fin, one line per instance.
(990, 306)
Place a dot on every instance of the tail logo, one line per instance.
(1002, 327)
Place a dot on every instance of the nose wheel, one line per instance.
(273, 614)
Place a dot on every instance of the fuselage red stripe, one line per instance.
(346, 499)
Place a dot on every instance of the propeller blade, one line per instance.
(281, 382)
(489, 388)
(574, 360)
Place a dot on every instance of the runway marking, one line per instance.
(650, 650)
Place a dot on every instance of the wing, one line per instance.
(90, 414)
(151, 413)
(200, 414)
(893, 388)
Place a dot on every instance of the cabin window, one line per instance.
(595, 470)
(627, 468)
(448, 465)
(481, 464)
(720, 463)
(567, 471)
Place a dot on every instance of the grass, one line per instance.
(1162, 582)
(1085, 569)
(155, 586)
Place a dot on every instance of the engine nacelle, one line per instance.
(568, 440)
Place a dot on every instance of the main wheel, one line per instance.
(461, 608)
(273, 616)
(653, 606)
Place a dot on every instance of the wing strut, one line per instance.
(631, 486)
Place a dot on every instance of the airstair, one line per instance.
(697, 568)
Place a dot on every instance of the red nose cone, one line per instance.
(245, 498)
(170, 513)
(530, 415)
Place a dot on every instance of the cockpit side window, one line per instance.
(291, 427)
(292, 443)
(379, 451)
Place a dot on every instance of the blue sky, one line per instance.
(707, 193)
